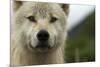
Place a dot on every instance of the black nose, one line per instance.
(43, 35)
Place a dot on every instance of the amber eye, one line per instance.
(32, 18)
(53, 19)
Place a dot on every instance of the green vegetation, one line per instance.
(80, 46)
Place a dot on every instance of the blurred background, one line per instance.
(80, 43)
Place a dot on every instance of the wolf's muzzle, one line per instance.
(43, 35)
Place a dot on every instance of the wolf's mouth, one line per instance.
(30, 45)
(43, 45)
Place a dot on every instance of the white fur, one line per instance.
(24, 32)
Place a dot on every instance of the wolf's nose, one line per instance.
(43, 35)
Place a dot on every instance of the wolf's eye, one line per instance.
(31, 18)
(53, 19)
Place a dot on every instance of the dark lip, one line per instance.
(43, 45)
(31, 46)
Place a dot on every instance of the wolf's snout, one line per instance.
(43, 35)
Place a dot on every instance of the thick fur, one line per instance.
(24, 32)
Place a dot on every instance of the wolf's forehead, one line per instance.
(42, 9)
(42, 6)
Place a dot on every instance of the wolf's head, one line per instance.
(40, 26)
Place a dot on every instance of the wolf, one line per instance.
(38, 32)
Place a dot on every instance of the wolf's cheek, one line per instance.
(57, 34)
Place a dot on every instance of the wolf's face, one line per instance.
(41, 25)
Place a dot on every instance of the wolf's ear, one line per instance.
(16, 5)
(65, 7)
